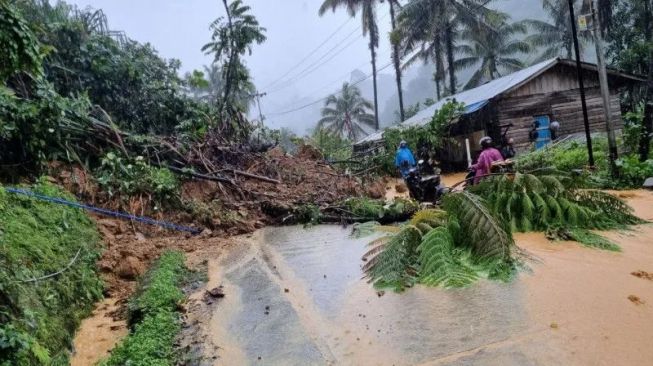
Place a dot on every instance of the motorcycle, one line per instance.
(424, 183)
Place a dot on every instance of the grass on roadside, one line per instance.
(153, 316)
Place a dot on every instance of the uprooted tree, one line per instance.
(471, 237)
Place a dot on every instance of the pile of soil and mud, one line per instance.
(249, 191)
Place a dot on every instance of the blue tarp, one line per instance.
(475, 106)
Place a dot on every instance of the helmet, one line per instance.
(485, 141)
(403, 143)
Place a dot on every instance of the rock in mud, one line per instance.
(376, 190)
(401, 188)
(636, 300)
(130, 268)
(216, 292)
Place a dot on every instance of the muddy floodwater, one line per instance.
(296, 296)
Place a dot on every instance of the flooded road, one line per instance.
(296, 297)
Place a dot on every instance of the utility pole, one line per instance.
(581, 85)
(258, 104)
(605, 89)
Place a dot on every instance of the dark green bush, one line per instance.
(37, 239)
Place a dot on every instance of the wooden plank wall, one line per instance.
(565, 107)
(559, 78)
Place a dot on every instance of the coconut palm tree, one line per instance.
(396, 58)
(430, 29)
(554, 37)
(368, 10)
(346, 114)
(493, 53)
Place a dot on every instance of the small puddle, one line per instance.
(98, 335)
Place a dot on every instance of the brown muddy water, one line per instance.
(297, 297)
(97, 335)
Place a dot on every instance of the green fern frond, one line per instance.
(391, 266)
(439, 266)
(486, 237)
(582, 236)
(429, 216)
(552, 184)
(424, 228)
(612, 211)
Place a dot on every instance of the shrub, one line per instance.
(124, 176)
(39, 317)
(632, 172)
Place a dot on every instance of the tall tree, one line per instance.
(631, 49)
(396, 57)
(232, 39)
(494, 53)
(370, 26)
(346, 114)
(431, 30)
(554, 37)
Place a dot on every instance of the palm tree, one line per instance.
(367, 7)
(554, 37)
(345, 115)
(396, 57)
(431, 29)
(494, 52)
(230, 40)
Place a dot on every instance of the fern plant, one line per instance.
(485, 235)
(536, 202)
(431, 249)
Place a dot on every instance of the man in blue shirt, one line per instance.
(404, 159)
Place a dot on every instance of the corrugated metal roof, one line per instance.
(473, 97)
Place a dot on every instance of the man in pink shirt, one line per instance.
(488, 156)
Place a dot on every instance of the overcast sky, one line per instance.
(179, 28)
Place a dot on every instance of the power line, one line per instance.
(313, 67)
(360, 81)
(310, 53)
(317, 64)
(327, 97)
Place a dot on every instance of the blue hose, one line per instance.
(122, 215)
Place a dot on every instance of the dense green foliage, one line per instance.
(123, 176)
(39, 315)
(536, 202)
(20, 49)
(451, 248)
(492, 54)
(153, 316)
(428, 138)
(332, 146)
(72, 89)
(572, 155)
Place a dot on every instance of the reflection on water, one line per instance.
(303, 301)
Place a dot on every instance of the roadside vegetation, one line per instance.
(154, 317)
(471, 237)
(48, 278)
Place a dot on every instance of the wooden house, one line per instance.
(544, 92)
